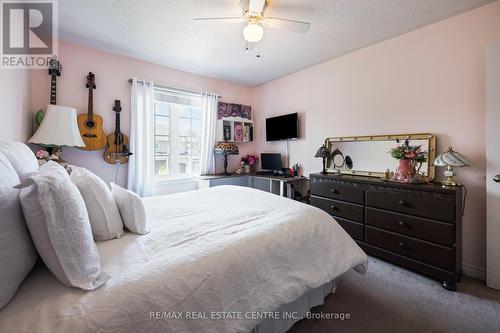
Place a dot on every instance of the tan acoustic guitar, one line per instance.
(90, 124)
(117, 151)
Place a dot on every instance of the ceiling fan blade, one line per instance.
(292, 25)
(219, 20)
(249, 46)
(252, 49)
(256, 6)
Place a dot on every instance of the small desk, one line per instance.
(279, 185)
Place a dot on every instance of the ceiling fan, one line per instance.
(253, 16)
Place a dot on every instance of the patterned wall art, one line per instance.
(233, 110)
(238, 132)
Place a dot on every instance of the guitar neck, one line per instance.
(91, 104)
(53, 100)
(117, 123)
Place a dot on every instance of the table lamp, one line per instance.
(451, 159)
(58, 129)
(226, 148)
(324, 153)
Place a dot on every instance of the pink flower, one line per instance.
(42, 154)
(410, 155)
(249, 159)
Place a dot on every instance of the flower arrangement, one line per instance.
(249, 160)
(44, 155)
(247, 163)
(410, 157)
(409, 152)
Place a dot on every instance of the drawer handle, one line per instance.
(334, 207)
(401, 223)
(334, 191)
(402, 245)
(402, 203)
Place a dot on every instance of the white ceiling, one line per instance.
(162, 31)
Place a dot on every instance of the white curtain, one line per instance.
(209, 116)
(141, 163)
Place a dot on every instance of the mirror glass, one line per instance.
(370, 155)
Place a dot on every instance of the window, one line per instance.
(177, 133)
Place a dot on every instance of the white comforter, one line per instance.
(220, 249)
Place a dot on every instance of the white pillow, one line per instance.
(59, 226)
(131, 209)
(21, 157)
(103, 213)
(17, 253)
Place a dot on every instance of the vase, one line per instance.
(406, 170)
(247, 168)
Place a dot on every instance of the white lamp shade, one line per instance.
(58, 128)
(451, 158)
(253, 32)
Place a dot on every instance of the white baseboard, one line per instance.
(473, 271)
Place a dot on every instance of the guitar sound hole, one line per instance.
(89, 124)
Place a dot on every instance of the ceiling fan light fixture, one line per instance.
(253, 32)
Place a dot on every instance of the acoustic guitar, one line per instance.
(90, 124)
(117, 151)
(55, 70)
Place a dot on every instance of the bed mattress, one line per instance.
(210, 253)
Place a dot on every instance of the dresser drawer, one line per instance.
(438, 206)
(337, 190)
(433, 231)
(436, 255)
(354, 229)
(339, 208)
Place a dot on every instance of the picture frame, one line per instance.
(238, 132)
(227, 132)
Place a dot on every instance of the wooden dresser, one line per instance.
(418, 227)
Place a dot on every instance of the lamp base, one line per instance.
(323, 172)
(451, 182)
(56, 150)
(225, 166)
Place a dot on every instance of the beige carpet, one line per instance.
(391, 299)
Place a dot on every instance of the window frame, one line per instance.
(174, 155)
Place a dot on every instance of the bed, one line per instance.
(216, 260)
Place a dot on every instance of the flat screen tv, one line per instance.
(284, 127)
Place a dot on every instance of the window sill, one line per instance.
(174, 181)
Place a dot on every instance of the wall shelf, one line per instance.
(235, 129)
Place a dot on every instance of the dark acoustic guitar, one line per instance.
(117, 151)
(90, 124)
(55, 70)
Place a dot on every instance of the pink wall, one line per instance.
(429, 80)
(15, 109)
(112, 73)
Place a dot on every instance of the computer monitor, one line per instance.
(271, 162)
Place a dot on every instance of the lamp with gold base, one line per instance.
(451, 159)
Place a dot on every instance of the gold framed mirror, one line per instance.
(368, 155)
